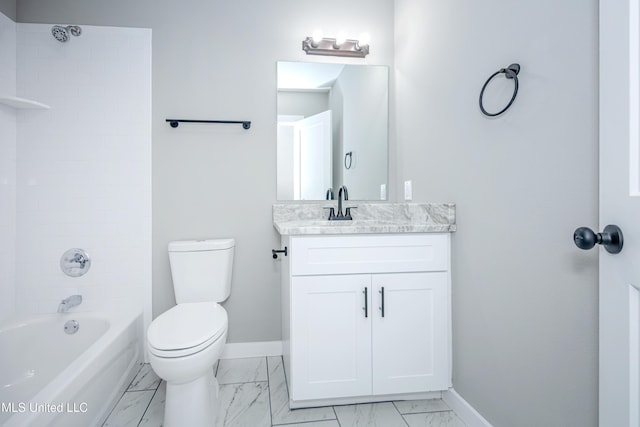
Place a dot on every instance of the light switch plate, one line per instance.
(408, 190)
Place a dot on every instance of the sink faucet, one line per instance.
(69, 302)
(342, 192)
(330, 195)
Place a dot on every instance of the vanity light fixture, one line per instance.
(340, 46)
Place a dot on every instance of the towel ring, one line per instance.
(511, 72)
(349, 156)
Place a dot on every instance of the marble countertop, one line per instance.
(369, 218)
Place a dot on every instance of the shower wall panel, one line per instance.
(84, 167)
(7, 168)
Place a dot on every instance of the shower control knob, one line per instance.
(610, 238)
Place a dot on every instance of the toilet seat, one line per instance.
(186, 329)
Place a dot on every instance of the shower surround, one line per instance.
(7, 168)
(83, 168)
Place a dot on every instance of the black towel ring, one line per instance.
(511, 72)
(349, 156)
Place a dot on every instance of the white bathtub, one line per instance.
(50, 378)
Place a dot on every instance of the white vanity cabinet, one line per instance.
(367, 317)
(330, 337)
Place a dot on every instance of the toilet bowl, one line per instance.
(185, 342)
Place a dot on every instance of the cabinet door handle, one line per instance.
(382, 300)
(366, 301)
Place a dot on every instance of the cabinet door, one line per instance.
(410, 342)
(330, 336)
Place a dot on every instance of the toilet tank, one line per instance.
(201, 269)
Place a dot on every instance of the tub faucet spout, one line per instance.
(69, 302)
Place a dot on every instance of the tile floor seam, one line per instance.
(144, 389)
(134, 378)
(269, 393)
(115, 406)
(122, 397)
(336, 415)
(404, 420)
(241, 382)
(142, 366)
(286, 381)
(399, 413)
(148, 404)
(255, 373)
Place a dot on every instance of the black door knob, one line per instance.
(610, 238)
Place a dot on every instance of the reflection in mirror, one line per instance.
(332, 130)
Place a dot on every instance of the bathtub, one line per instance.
(51, 378)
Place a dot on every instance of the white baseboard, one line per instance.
(239, 350)
(463, 410)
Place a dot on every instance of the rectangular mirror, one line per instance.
(332, 130)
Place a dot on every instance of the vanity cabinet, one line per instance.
(367, 317)
(330, 337)
(410, 345)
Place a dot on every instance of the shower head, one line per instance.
(61, 33)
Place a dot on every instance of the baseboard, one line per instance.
(463, 410)
(239, 350)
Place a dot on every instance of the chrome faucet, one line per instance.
(69, 302)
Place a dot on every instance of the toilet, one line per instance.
(186, 341)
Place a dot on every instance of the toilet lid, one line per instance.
(187, 325)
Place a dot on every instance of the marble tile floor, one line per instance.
(253, 393)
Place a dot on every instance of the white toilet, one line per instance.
(186, 341)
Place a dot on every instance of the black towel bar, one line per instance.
(175, 122)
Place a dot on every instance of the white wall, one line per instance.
(84, 167)
(217, 60)
(7, 168)
(525, 310)
(336, 104)
(302, 103)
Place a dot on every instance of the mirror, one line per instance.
(332, 130)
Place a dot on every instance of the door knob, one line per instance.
(610, 238)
